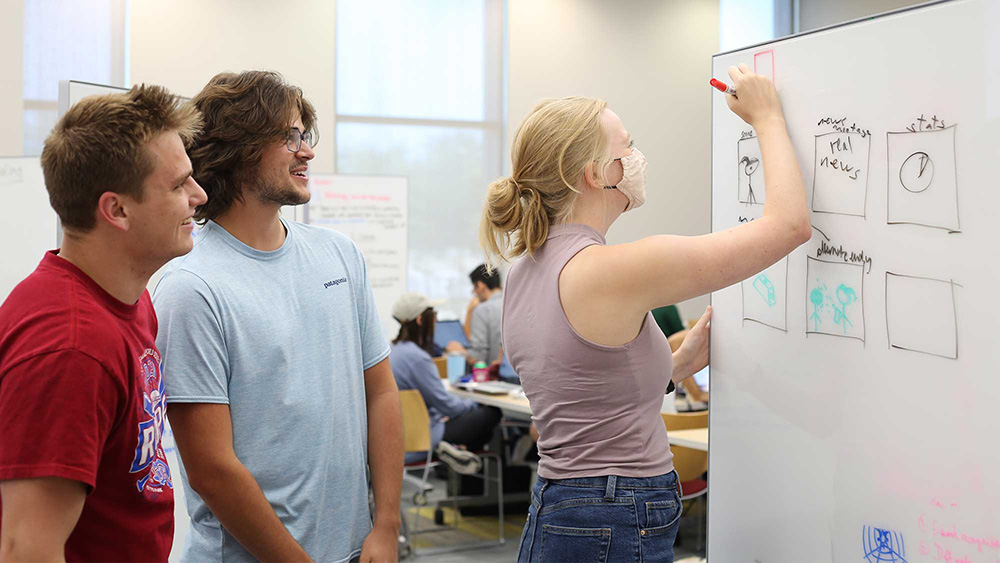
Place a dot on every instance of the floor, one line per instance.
(481, 532)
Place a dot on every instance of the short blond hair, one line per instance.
(99, 145)
(551, 150)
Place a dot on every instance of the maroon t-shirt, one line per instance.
(81, 397)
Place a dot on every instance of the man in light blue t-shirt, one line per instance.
(277, 374)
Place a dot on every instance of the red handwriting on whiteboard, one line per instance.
(943, 554)
(356, 197)
(953, 532)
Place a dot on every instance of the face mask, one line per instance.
(633, 182)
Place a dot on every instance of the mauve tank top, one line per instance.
(596, 408)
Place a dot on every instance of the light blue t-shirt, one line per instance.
(283, 338)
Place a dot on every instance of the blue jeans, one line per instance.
(602, 519)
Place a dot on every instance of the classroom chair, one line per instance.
(417, 438)
(690, 464)
(442, 364)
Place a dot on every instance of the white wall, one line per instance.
(820, 13)
(11, 79)
(181, 44)
(651, 60)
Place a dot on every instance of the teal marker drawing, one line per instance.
(765, 289)
(846, 295)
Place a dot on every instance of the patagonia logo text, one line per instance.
(334, 282)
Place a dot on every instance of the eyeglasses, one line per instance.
(293, 142)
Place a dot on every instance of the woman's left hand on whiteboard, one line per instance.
(692, 356)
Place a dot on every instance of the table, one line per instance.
(506, 403)
(696, 438)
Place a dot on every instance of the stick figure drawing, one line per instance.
(749, 167)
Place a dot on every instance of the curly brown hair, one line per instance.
(99, 146)
(244, 113)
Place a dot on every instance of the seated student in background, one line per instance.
(689, 396)
(454, 421)
(83, 476)
(482, 319)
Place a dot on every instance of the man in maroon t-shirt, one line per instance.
(82, 472)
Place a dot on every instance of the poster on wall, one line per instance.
(373, 212)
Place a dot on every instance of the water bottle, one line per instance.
(456, 367)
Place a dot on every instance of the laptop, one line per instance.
(446, 331)
(701, 378)
(507, 372)
(489, 387)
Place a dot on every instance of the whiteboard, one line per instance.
(855, 382)
(72, 91)
(372, 211)
(30, 230)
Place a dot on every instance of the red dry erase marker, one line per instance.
(722, 87)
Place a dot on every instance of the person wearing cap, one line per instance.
(456, 423)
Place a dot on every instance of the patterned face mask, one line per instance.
(633, 182)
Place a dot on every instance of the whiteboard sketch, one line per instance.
(11, 173)
(923, 179)
(840, 180)
(764, 296)
(920, 315)
(835, 299)
(750, 174)
(882, 546)
(763, 63)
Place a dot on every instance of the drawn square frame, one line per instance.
(739, 174)
(889, 182)
(954, 311)
(868, 161)
(864, 327)
(756, 70)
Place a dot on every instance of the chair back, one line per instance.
(689, 463)
(685, 420)
(416, 422)
(442, 364)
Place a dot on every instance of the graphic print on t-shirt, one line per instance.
(150, 460)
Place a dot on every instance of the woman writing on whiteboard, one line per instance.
(576, 321)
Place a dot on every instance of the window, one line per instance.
(419, 94)
(67, 40)
(747, 22)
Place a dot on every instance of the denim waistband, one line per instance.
(665, 481)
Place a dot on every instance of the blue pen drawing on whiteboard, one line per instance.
(765, 289)
(882, 545)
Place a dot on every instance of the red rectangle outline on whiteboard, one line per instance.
(773, 78)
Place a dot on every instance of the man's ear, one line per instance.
(112, 209)
(420, 320)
